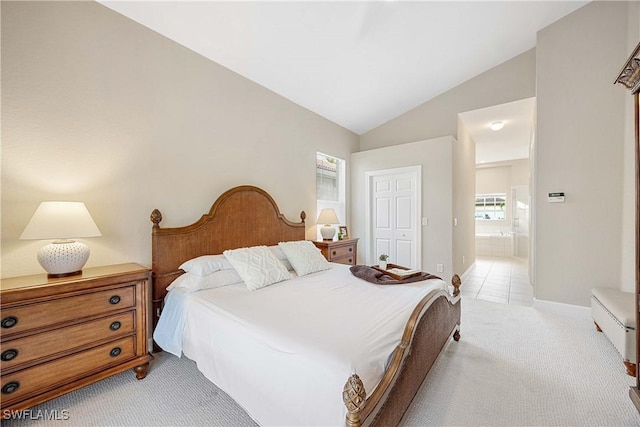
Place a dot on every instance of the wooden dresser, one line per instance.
(340, 251)
(58, 335)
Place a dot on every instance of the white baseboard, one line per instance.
(562, 308)
(464, 275)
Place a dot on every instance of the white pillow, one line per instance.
(206, 264)
(257, 266)
(304, 256)
(277, 251)
(192, 282)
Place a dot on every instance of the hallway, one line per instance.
(499, 279)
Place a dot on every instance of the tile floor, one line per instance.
(503, 280)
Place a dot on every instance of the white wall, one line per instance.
(580, 142)
(98, 108)
(436, 158)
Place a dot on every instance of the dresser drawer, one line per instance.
(49, 344)
(46, 376)
(65, 309)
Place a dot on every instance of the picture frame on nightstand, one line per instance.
(342, 230)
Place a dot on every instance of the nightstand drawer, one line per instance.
(340, 252)
(50, 375)
(348, 260)
(61, 310)
(50, 344)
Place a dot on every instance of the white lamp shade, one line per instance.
(328, 216)
(60, 220)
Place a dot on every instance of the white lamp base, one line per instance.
(327, 232)
(63, 257)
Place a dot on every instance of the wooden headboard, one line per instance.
(241, 217)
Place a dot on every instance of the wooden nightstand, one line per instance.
(341, 251)
(62, 334)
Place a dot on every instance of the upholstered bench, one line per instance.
(613, 313)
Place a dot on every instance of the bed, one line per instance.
(324, 348)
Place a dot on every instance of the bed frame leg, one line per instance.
(354, 397)
(631, 368)
(456, 335)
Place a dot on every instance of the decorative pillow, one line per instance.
(192, 282)
(304, 256)
(206, 264)
(257, 266)
(277, 251)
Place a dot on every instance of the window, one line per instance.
(331, 186)
(491, 206)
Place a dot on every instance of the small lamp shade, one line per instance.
(62, 221)
(327, 216)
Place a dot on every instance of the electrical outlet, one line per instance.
(425, 221)
(440, 268)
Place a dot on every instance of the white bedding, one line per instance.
(284, 352)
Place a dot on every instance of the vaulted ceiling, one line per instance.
(356, 63)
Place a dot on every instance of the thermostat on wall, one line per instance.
(556, 198)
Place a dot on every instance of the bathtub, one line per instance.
(494, 244)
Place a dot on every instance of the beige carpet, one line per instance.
(514, 366)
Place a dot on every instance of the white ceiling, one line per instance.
(356, 63)
(510, 142)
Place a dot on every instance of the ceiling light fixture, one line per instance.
(497, 125)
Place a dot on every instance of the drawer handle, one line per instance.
(350, 249)
(9, 388)
(9, 322)
(10, 354)
(115, 326)
(114, 299)
(115, 352)
(333, 253)
(350, 261)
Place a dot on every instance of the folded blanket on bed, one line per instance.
(379, 278)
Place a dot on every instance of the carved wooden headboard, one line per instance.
(241, 217)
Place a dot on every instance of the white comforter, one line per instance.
(285, 351)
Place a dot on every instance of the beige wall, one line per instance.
(100, 109)
(580, 144)
(435, 158)
(464, 185)
(628, 258)
(510, 81)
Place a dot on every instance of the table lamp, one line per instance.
(62, 221)
(327, 217)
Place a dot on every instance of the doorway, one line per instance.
(393, 216)
(504, 136)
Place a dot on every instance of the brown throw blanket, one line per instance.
(379, 278)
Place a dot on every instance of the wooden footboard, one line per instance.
(433, 322)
